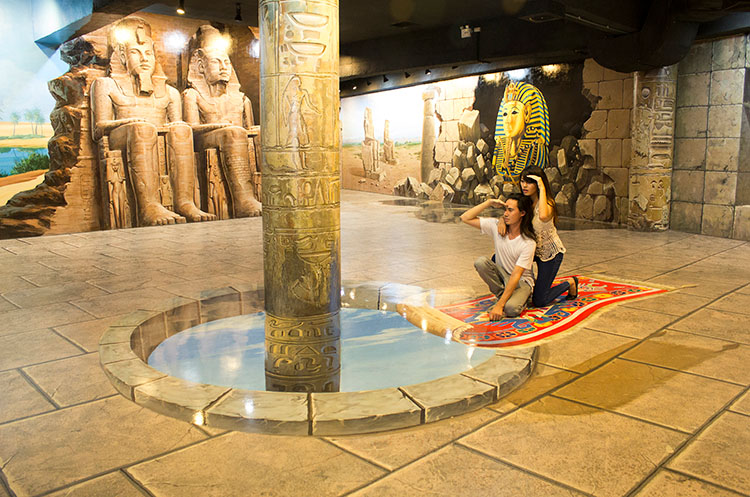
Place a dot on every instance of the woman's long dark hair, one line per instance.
(538, 171)
(526, 205)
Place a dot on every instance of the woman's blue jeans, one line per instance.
(544, 292)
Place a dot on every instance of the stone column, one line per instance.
(429, 132)
(300, 142)
(653, 145)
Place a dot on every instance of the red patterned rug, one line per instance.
(540, 322)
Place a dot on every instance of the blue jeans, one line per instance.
(544, 292)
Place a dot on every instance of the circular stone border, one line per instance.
(125, 346)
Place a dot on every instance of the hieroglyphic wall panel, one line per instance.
(653, 145)
(301, 183)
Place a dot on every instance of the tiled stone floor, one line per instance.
(650, 399)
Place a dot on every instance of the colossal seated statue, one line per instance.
(129, 108)
(220, 115)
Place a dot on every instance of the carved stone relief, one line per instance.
(653, 145)
(300, 144)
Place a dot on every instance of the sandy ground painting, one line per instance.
(407, 163)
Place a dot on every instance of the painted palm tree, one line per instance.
(14, 118)
(39, 120)
(28, 115)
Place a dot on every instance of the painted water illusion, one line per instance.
(380, 349)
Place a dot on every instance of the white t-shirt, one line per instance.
(510, 253)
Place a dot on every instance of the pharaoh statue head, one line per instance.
(521, 131)
(131, 55)
(209, 61)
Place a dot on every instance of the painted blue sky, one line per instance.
(403, 108)
(25, 68)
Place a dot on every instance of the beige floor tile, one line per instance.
(79, 273)
(194, 288)
(438, 474)
(673, 303)
(696, 354)
(51, 450)
(393, 449)
(14, 283)
(86, 333)
(116, 284)
(580, 446)
(543, 379)
(23, 320)
(652, 393)
(738, 303)
(624, 270)
(720, 454)
(6, 305)
(742, 405)
(244, 464)
(582, 350)
(628, 322)
(19, 398)
(25, 349)
(696, 286)
(716, 324)
(122, 303)
(53, 294)
(73, 380)
(669, 484)
(111, 485)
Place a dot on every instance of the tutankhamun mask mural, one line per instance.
(130, 109)
(220, 115)
(521, 131)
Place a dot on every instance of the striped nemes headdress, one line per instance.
(534, 147)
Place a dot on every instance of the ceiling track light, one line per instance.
(427, 72)
(407, 75)
(181, 7)
(238, 12)
(385, 78)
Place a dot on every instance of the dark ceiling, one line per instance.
(380, 37)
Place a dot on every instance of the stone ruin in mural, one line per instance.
(371, 150)
(122, 155)
(579, 187)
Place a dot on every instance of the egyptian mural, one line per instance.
(463, 140)
(25, 102)
(153, 124)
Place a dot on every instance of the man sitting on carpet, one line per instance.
(509, 276)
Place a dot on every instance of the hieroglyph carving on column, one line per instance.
(653, 145)
(301, 182)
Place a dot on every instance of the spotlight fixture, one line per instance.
(369, 82)
(354, 87)
(238, 12)
(407, 75)
(427, 72)
(181, 7)
(385, 78)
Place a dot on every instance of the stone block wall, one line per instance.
(711, 172)
(449, 106)
(606, 134)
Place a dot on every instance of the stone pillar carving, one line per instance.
(370, 148)
(653, 146)
(429, 132)
(389, 152)
(301, 182)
